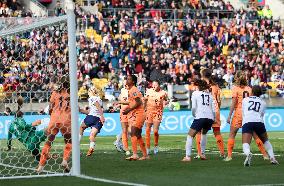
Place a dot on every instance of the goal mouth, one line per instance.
(35, 55)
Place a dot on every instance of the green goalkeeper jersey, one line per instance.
(21, 130)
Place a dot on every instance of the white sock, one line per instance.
(203, 142)
(188, 146)
(80, 137)
(92, 145)
(246, 149)
(269, 149)
(118, 138)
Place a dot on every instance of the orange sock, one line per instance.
(148, 137)
(125, 140)
(230, 146)
(220, 143)
(156, 137)
(44, 154)
(134, 144)
(142, 146)
(198, 139)
(67, 151)
(261, 147)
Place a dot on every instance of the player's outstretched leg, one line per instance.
(66, 152)
(94, 132)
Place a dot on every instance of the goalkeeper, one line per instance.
(26, 134)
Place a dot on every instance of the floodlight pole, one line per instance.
(73, 87)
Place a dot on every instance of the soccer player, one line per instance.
(206, 75)
(135, 113)
(94, 119)
(123, 101)
(203, 111)
(26, 134)
(60, 121)
(253, 109)
(154, 102)
(240, 91)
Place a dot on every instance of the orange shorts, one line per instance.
(217, 122)
(154, 116)
(123, 118)
(136, 119)
(237, 120)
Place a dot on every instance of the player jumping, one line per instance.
(94, 119)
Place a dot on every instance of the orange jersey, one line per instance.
(65, 107)
(55, 103)
(240, 93)
(134, 93)
(155, 99)
(216, 92)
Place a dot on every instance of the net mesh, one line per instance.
(34, 65)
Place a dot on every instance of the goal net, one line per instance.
(34, 65)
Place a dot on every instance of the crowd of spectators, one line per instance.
(170, 51)
(12, 8)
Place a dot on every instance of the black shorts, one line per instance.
(257, 127)
(93, 121)
(202, 123)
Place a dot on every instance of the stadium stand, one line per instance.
(171, 43)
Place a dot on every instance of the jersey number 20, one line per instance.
(255, 106)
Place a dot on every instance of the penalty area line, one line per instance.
(109, 181)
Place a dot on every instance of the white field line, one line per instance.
(33, 176)
(109, 181)
(26, 168)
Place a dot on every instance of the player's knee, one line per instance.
(216, 131)
(156, 133)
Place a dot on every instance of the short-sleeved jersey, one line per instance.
(216, 92)
(155, 99)
(134, 93)
(240, 93)
(94, 111)
(253, 109)
(204, 105)
(123, 97)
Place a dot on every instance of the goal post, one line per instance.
(23, 54)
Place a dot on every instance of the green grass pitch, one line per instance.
(165, 168)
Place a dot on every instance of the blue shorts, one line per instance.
(93, 121)
(202, 123)
(257, 127)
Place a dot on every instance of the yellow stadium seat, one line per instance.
(126, 36)
(273, 84)
(90, 32)
(226, 93)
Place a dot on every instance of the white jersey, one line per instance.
(253, 109)
(203, 104)
(94, 111)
